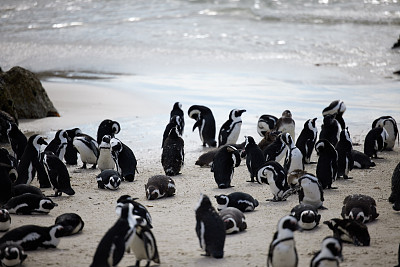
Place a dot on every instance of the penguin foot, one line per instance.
(347, 177)
(83, 166)
(332, 187)
(93, 167)
(322, 208)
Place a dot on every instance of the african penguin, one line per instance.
(240, 200)
(105, 160)
(144, 246)
(173, 154)
(276, 150)
(266, 123)
(59, 144)
(58, 174)
(11, 255)
(311, 191)
(205, 122)
(173, 123)
(375, 141)
(330, 130)
(282, 250)
(125, 160)
(88, 148)
(138, 209)
(233, 219)
(306, 215)
(230, 130)
(268, 139)
(17, 140)
(336, 108)
(177, 111)
(206, 159)
(361, 160)
(71, 154)
(273, 174)
(395, 194)
(254, 157)
(359, 207)
(210, 228)
(21, 189)
(390, 125)
(224, 162)
(286, 124)
(294, 157)
(29, 204)
(108, 179)
(6, 184)
(107, 127)
(349, 231)
(307, 138)
(330, 253)
(159, 186)
(345, 160)
(71, 222)
(327, 163)
(5, 220)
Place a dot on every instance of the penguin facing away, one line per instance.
(71, 154)
(230, 130)
(330, 130)
(17, 140)
(395, 194)
(108, 179)
(266, 123)
(6, 184)
(58, 174)
(240, 200)
(306, 215)
(311, 191)
(254, 157)
(125, 160)
(349, 231)
(234, 220)
(159, 186)
(390, 125)
(105, 160)
(276, 150)
(174, 122)
(306, 140)
(107, 127)
(205, 122)
(5, 220)
(345, 159)
(273, 174)
(326, 171)
(88, 148)
(71, 222)
(180, 120)
(359, 207)
(59, 144)
(375, 141)
(29, 204)
(11, 255)
(173, 154)
(330, 253)
(224, 162)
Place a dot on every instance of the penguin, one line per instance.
(173, 154)
(105, 160)
(174, 122)
(17, 140)
(398, 257)
(293, 180)
(21, 189)
(59, 144)
(210, 228)
(394, 197)
(206, 159)
(306, 215)
(29, 204)
(273, 174)
(349, 231)
(224, 162)
(12, 255)
(205, 122)
(32, 237)
(337, 109)
(390, 125)
(108, 179)
(266, 123)
(88, 148)
(361, 160)
(327, 168)
(375, 141)
(230, 130)
(159, 186)
(330, 253)
(345, 161)
(125, 160)
(144, 246)
(282, 250)
(177, 111)
(71, 154)
(30, 162)
(6, 184)
(311, 191)
(286, 124)
(330, 130)
(254, 157)
(294, 157)
(5, 220)
(71, 222)
(268, 139)
(138, 209)
(58, 174)
(242, 201)
(359, 207)
(306, 140)
(276, 150)
(234, 220)
(107, 127)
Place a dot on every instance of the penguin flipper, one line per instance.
(197, 124)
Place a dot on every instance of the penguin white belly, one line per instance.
(62, 151)
(391, 140)
(85, 152)
(288, 128)
(203, 122)
(284, 254)
(234, 134)
(13, 262)
(138, 247)
(312, 195)
(274, 188)
(4, 226)
(296, 160)
(105, 161)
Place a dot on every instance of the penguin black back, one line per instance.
(107, 127)
(224, 162)
(173, 154)
(254, 157)
(17, 139)
(375, 141)
(71, 154)
(395, 195)
(307, 138)
(345, 158)
(205, 122)
(177, 111)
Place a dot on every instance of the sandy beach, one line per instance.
(174, 218)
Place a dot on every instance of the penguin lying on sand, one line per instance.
(361, 208)
(71, 222)
(21, 189)
(11, 255)
(330, 253)
(108, 179)
(230, 130)
(306, 215)
(242, 201)
(206, 159)
(205, 122)
(395, 195)
(234, 220)
(29, 204)
(5, 220)
(349, 231)
(159, 186)
(361, 160)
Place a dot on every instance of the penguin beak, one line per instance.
(41, 141)
(240, 112)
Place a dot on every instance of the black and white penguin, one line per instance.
(205, 122)
(173, 123)
(173, 153)
(6, 184)
(58, 174)
(226, 159)
(307, 138)
(144, 246)
(5, 220)
(330, 253)
(330, 130)
(361, 160)
(254, 157)
(88, 148)
(108, 179)
(294, 157)
(273, 174)
(21, 189)
(311, 191)
(210, 228)
(375, 141)
(206, 159)
(71, 154)
(390, 125)
(266, 123)
(276, 151)
(177, 111)
(11, 255)
(107, 127)
(395, 194)
(138, 209)
(29, 204)
(349, 231)
(125, 160)
(345, 160)
(105, 160)
(32, 237)
(307, 216)
(268, 139)
(337, 109)
(230, 130)
(159, 186)
(286, 124)
(240, 200)
(359, 207)
(71, 222)
(59, 144)
(326, 171)
(17, 140)
(234, 220)
(282, 250)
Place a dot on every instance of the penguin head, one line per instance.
(114, 182)
(46, 204)
(288, 222)
(177, 105)
(173, 133)
(222, 200)
(310, 124)
(204, 203)
(10, 253)
(116, 128)
(152, 192)
(307, 216)
(229, 224)
(116, 145)
(287, 139)
(357, 214)
(236, 113)
(286, 114)
(174, 120)
(249, 140)
(62, 135)
(36, 140)
(4, 215)
(334, 245)
(105, 142)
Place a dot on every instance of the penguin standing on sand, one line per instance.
(173, 154)
(345, 160)
(159, 186)
(337, 109)
(17, 140)
(282, 250)
(105, 160)
(71, 222)
(254, 157)
(273, 174)
(29, 204)
(230, 130)
(276, 150)
(59, 144)
(144, 246)
(234, 220)
(71, 154)
(58, 174)
(225, 160)
(210, 229)
(307, 138)
(294, 157)
(108, 179)
(240, 200)
(138, 209)
(88, 148)
(266, 123)
(375, 141)
(359, 207)
(390, 125)
(5, 220)
(205, 122)
(311, 191)
(6, 185)
(306, 215)
(361, 160)
(173, 123)
(125, 160)
(330, 253)
(178, 112)
(107, 127)
(330, 130)
(349, 231)
(286, 124)
(11, 255)
(327, 163)
(395, 194)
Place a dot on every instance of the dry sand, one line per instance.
(174, 218)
